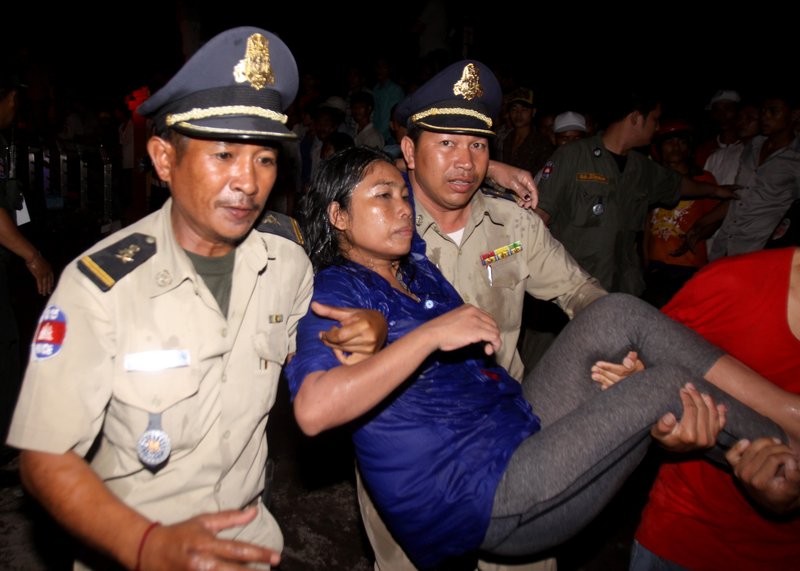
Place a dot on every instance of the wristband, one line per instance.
(147, 531)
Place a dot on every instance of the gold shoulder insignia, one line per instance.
(109, 265)
(281, 225)
(469, 86)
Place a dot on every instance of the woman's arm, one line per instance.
(334, 397)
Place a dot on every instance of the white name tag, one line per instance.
(156, 360)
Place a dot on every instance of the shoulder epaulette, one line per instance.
(282, 225)
(109, 265)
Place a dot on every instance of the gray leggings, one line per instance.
(591, 440)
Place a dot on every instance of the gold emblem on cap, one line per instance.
(469, 86)
(255, 67)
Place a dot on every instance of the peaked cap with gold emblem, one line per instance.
(464, 98)
(235, 87)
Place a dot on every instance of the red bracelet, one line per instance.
(147, 531)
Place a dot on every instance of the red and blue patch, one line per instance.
(50, 334)
(547, 170)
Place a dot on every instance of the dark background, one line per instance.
(572, 55)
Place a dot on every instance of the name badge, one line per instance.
(156, 360)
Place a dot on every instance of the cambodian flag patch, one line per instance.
(547, 170)
(50, 334)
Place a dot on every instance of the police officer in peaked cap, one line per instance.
(161, 347)
(490, 249)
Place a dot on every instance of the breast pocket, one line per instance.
(170, 398)
(591, 203)
(505, 273)
(272, 345)
(272, 348)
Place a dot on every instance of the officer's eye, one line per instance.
(224, 155)
(266, 160)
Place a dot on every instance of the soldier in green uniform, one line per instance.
(595, 193)
(154, 367)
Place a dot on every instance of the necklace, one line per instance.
(401, 280)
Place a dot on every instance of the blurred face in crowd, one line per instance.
(723, 113)
(8, 107)
(776, 116)
(569, 136)
(748, 122)
(520, 115)
(675, 149)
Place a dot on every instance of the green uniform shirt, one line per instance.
(597, 212)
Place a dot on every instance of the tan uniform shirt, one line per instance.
(156, 345)
(542, 268)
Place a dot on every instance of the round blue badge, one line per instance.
(154, 447)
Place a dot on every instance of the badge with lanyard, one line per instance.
(498, 254)
(154, 445)
(597, 207)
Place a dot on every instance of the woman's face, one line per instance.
(377, 226)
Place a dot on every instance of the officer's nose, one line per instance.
(244, 179)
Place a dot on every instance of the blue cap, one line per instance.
(464, 98)
(235, 87)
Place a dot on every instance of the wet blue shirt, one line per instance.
(432, 454)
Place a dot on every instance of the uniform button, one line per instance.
(226, 434)
(224, 378)
(163, 278)
(466, 298)
(224, 332)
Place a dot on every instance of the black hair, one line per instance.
(334, 181)
(623, 104)
(364, 97)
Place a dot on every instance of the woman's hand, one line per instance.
(608, 374)
(464, 326)
(770, 471)
(698, 427)
(362, 333)
(518, 180)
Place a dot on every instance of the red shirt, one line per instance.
(696, 516)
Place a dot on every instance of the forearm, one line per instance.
(12, 239)
(766, 398)
(76, 497)
(334, 397)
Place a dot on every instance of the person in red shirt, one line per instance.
(702, 517)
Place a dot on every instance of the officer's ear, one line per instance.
(162, 154)
(407, 146)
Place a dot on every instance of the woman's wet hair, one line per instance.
(334, 181)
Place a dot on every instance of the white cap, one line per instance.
(724, 95)
(569, 121)
(335, 102)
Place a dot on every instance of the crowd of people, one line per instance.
(387, 288)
